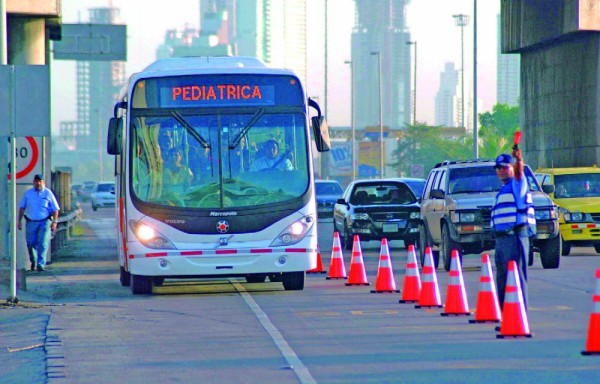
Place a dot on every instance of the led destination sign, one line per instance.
(193, 91)
(222, 92)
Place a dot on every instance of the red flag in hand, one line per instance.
(517, 138)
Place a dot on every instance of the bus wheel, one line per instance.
(293, 281)
(141, 285)
(125, 278)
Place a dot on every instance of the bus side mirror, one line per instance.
(114, 143)
(321, 132)
(319, 126)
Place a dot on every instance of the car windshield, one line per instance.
(382, 194)
(481, 179)
(328, 188)
(579, 185)
(105, 187)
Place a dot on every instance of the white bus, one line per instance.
(214, 172)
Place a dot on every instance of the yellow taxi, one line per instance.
(577, 194)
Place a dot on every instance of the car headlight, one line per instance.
(359, 216)
(415, 215)
(462, 217)
(295, 232)
(546, 214)
(149, 236)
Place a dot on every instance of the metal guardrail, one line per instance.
(63, 229)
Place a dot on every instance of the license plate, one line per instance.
(390, 227)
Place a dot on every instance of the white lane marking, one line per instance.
(288, 353)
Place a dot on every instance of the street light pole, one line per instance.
(414, 106)
(462, 21)
(475, 122)
(352, 122)
(378, 54)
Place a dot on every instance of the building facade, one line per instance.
(508, 75)
(380, 33)
(445, 96)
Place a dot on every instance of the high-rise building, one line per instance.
(380, 29)
(508, 76)
(444, 99)
(271, 30)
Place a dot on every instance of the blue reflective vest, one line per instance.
(508, 212)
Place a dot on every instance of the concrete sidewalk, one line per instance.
(25, 345)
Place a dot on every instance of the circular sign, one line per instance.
(26, 157)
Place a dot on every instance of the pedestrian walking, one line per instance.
(40, 209)
(513, 220)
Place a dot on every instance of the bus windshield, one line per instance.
(218, 160)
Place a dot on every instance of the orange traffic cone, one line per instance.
(514, 317)
(412, 280)
(337, 270)
(430, 292)
(358, 276)
(456, 296)
(385, 276)
(593, 340)
(488, 308)
(319, 267)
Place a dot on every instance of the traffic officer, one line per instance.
(513, 220)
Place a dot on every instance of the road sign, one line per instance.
(92, 42)
(417, 170)
(29, 159)
(25, 95)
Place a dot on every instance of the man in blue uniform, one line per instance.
(513, 220)
(40, 209)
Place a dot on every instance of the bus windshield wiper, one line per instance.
(177, 116)
(246, 128)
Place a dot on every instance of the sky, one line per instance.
(430, 23)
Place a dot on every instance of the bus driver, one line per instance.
(270, 160)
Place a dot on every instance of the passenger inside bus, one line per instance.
(176, 176)
(270, 158)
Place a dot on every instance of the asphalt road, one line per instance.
(230, 331)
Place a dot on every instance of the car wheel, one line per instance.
(447, 246)
(596, 247)
(94, 207)
(566, 248)
(531, 257)
(347, 239)
(424, 242)
(550, 251)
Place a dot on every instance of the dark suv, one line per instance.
(377, 208)
(456, 212)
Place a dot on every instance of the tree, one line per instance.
(426, 145)
(497, 129)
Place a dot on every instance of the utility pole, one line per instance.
(462, 21)
(352, 119)
(381, 155)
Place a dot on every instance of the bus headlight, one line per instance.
(295, 232)
(150, 237)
